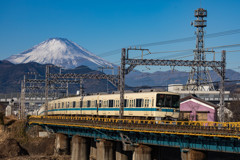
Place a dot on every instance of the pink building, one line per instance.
(196, 109)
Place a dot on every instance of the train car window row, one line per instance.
(162, 100)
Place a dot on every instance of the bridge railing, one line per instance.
(227, 126)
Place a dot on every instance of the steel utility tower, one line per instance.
(200, 74)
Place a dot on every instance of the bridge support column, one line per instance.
(62, 144)
(190, 154)
(142, 152)
(105, 150)
(79, 148)
(93, 150)
(120, 153)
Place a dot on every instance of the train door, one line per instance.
(97, 105)
(152, 105)
(146, 108)
(81, 105)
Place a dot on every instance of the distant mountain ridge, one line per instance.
(12, 74)
(163, 78)
(60, 52)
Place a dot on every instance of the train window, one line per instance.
(146, 102)
(88, 104)
(168, 99)
(110, 103)
(139, 102)
(74, 104)
(160, 100)
(117, 103)
(175, 101)
(100, 103)
(55, 105)
(130, 103)
(81, 103)
(62, 104)
(125, 102)
(58, 105)
(68, 104)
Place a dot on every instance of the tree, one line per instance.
(235, 106)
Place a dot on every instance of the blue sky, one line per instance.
(102, 26)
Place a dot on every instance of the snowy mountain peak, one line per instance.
(61, 52)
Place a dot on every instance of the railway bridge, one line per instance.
(122, 139)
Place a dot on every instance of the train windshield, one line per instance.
(167, 101)
(175, 101)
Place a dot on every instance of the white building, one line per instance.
(205, 94)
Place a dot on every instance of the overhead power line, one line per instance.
(212, 35)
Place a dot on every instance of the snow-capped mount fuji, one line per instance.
(60, 52)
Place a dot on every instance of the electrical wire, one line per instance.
(212, 35)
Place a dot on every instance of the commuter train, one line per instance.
(138, 105)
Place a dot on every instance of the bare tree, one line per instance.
(235, 106)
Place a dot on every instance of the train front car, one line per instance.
(167, 106)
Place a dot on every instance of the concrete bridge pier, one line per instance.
(62, 144)
(80, 148)
(93, 150)
(190, 154)
(142, 152)
(121, 154)
(105, 150)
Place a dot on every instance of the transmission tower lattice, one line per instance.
(200, 75)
